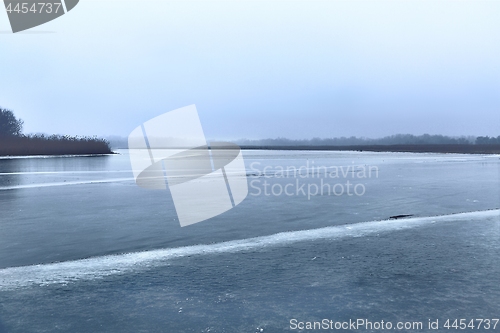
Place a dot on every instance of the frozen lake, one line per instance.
(84, 224)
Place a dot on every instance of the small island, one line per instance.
(14, 143)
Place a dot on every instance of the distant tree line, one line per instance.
(14, 143)
(398, 139)
(486, 140)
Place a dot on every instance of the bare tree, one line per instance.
(9, 124)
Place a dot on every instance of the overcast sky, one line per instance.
(259, 69)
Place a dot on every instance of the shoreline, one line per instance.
(471, 149)
(443, 149)
(7, 157)
(19, 146)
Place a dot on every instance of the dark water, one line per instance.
(63, 209)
